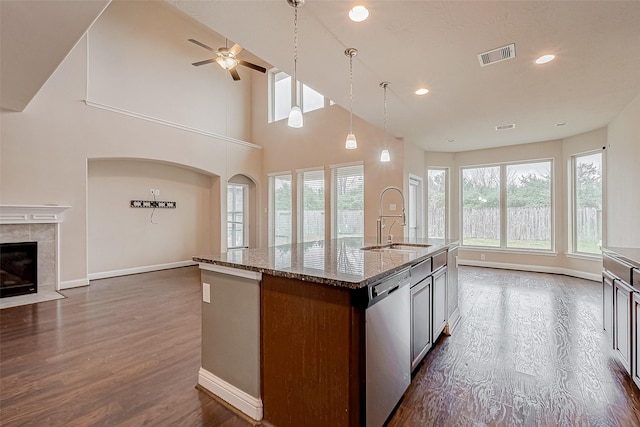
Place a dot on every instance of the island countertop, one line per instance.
(337, 262)
(630, 255)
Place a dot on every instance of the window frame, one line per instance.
(573, 221)
(299, 91)
(301, 210)
(334, 202)
(272, 211)
(245, 215)
(503, 211)
(446, 200)
(418, 182)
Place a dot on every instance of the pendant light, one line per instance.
(384, 156)
(351, 143)
(295, 115)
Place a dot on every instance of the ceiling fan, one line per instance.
(227, 58)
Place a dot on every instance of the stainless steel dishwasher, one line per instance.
(388, 346)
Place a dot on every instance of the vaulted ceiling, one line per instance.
(411, 44)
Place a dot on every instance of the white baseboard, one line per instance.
(533, 268)
(136, 270)
(239, 399)
(68, 284)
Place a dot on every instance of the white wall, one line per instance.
(45, 149)
(623, 178)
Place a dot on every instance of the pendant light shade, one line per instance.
(385, 156)
(351, 143)
(295, 115)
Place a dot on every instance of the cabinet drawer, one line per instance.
(420, 270)
(617, 267)
(439, 260)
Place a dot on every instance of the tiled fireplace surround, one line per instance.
(35, 223)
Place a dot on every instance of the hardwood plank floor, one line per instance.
(126, 351)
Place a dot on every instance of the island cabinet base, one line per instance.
(313, 340)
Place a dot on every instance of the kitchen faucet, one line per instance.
(380, 221)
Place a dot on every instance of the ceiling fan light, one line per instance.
(384, 156)
(351, 143)
(227, 62)
(295, 117)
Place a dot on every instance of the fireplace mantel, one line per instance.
(32, 214)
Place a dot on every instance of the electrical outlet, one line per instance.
(154, 192)
(482, 257)
(206, 293)
(392, 207)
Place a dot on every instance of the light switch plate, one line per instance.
(206, 293)
(392, 207)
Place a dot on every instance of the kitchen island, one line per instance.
(286, 330)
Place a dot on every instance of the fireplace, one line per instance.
(18, 268)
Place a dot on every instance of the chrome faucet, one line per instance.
(381, 217)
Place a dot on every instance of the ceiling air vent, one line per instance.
(497, 55)
(504, 127)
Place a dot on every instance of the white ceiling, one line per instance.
(408, 43)
(435, 44)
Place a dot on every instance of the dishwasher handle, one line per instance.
(388, 291)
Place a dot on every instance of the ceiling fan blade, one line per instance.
(252, 66)
(236, 49)
(234, 74)
(206, 61)
(194, 41)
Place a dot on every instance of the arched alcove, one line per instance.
(125, 240)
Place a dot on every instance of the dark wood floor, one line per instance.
(126, 351)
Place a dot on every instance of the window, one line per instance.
(529, 205)
(437, 203)
(587, 203)
(280, 92)
(311, 210)
(414, 216)
(508, 206)
(280, 209)
(481, 206)
(281, 95)
(236, 216)
(347, 217)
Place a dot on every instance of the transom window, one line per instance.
(281, 86)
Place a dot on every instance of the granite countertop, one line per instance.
(630, 255)
(338, 262)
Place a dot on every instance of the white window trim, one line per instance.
(420, 206)
(447, 206)
(503, 208)
(571, 234)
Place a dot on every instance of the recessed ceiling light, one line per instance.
(422, 91)
(544, 59)
(505, 127)
(358, 13)
(561, 124)
(451, 140)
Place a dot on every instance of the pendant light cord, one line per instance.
(350, 93)
(385, 113)
(295, 54)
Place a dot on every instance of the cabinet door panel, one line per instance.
(420, 321)
(439, 303)
(622, 319)
(607, 306)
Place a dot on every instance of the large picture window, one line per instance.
(280, 209)
(508, 206)
(347, 208)
(587, 203)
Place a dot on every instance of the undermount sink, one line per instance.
(396, 247)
